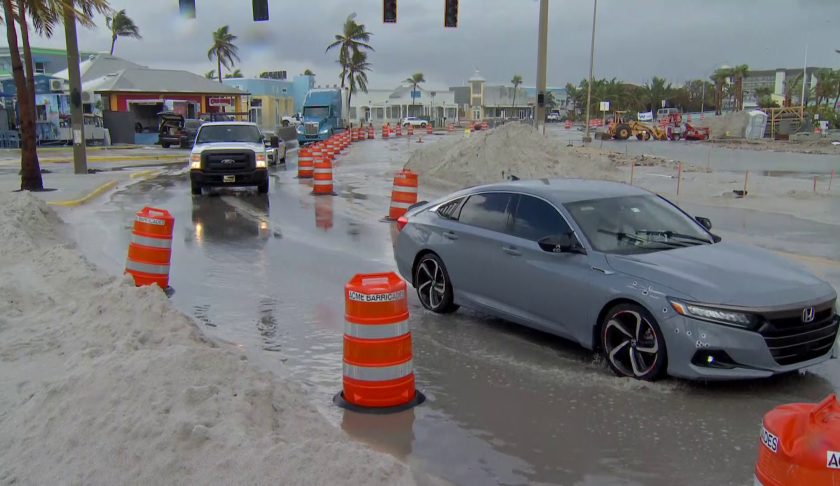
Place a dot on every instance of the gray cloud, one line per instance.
(635, 40)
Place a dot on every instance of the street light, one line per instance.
(586, 137)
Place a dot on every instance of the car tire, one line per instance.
(422, 125)
(196, 189)
(434, 289)
(164, 144)
(632, 343)
(285, 123)
(263, 188)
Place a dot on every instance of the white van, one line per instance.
(665, 112)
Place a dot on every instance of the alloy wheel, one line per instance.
(431, 284)
(630, 343)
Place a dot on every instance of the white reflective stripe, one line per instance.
(152, 242)
(376, 331)
(147, 267)
(379, 373)
(323, 171)
(412, 190)
(397, 204)
(322, 183)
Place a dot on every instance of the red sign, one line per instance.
(220, 101)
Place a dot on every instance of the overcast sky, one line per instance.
(677, 39)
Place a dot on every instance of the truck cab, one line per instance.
(324, 112)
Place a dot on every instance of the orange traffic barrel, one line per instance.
(800, 445)
(568, 123)
(378, 361)
(403, 194)
(702, 116)
(486, 125)
(322, 184)
(370, 131)
(385, 130)
(399, 130)
(472, 126)
(324, 213)
(354, 135)
(305, 158)
(150, 247)
(451, 127)
(411, 129)
(688, 118)
(429, 129)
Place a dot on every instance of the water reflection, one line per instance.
(230, 219)
(392, 434)
(267, 324)
(324, 209)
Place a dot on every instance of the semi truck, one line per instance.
(325, 111)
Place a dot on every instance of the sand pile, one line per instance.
(515, 149)
(733, 123)
(104, 383)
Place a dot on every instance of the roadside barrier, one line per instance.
(688, 118)
(403, 193)
(800, 445)
(354, 135)
(429, 129)
(385, 130)
(371, 132)
(305, 158)
(451, 127)
(324, 213)
(411, 129)
(568, 124)
(363, 134)
(378, 365)
(486, 125)
(399, 130)
(322, 184)
(150, 247)
(472, 126)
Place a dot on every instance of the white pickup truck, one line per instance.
(292, 121)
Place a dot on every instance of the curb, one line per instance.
(116, 158)
(101, 189)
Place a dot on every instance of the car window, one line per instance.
(487, 211)
(449, 210)
(212, 132)
(192, 123)
(535, 219)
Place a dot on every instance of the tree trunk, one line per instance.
(219, 59)
(113, 43)
(30, 178)
(27, 57)
(514, 97)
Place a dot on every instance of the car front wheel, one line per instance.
(632, 343)
(433, 286)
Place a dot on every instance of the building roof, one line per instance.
(145, 80)
(4, 51)
(98, 65)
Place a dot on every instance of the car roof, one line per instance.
(233, 123)
(561, 191)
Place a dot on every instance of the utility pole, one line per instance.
(586, 137)
(542, 61)
(76, 113)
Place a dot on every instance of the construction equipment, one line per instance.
(623, 128)
(697, 133)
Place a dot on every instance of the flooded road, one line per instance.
(506, 405)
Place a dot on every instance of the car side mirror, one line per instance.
(704, 222)
(565, 243)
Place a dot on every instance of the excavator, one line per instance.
(623, 128)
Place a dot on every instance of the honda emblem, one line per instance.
(228, 161)
(808, 314)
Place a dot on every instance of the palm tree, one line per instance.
(720, 77)
(210, 74)
(740, 72)
(308, 72)
(235, 74)
(121, 25)
(516, 81)
(414, 80)
(572, 94)
(657, 90)
(223, 49)
(357, 71)
(352, 38)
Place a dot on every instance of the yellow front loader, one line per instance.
(622, 130)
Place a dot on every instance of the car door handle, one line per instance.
(511, 251)
(450, 235)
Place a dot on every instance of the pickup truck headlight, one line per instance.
(261, 164)
(195, 161)
(721, 316)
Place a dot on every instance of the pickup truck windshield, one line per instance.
(316, 111)
(211, 133)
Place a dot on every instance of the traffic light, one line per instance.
(260, 8)
(450, 16)
(389, 11)
(187, 8)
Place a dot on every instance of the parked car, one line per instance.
(169, 129)
(188, 132)
(554, 116)
(622, 271)
(230, 154)
(292, 121)
(414, 121)
(275, 147)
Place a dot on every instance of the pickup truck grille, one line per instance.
(791, 341)
(232, 161)
(310, 129)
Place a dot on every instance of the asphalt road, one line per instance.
(506, 405)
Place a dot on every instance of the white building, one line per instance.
(390, 105)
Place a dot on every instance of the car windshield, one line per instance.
(316, 111)
(635, 224)
(211, 133)
(192, 124)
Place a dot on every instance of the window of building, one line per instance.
(256, 103)
(40, 68)
(476, 88)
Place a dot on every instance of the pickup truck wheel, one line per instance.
(196, 189)
(285, 123)
(164, 144)
(263, 188)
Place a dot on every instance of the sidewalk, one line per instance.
(71, 190)
(101, 154)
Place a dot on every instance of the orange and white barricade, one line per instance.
(800, 445)
(305, 157)
(371, 133)
(403, 194)
(385, 131)
(322, 184)
(354, 135)
(378, 364)
(486, 125)
(411, 129)
(451, 127)
(150, 247)
(568, 124)
(429, 129)
(688, 118)
(472, 126)
(399, 130)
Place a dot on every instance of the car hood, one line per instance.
(315, 119)
(726, 273)
(256, 147)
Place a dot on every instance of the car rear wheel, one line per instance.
(423, 125)
(433, 286)
(164, 144)
(632, 343)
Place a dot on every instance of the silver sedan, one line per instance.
(621, 271)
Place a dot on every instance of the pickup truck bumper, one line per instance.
(241, 179)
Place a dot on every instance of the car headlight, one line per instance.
(721, 316)
(261, 161)
(195, 161)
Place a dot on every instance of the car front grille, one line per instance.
(792, 341)
(310, 129)
(221, 161)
